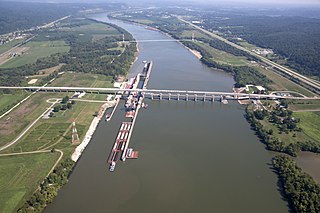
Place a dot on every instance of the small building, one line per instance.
(261, 89)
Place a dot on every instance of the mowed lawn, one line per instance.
(37, 50)
(20, 176)
(73, 79)
(55, 132)
(10, 99)
(224, 57)
(310, 124)
(14, 123)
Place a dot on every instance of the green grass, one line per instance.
(82, 80)
(7, 100)
(286, 138)
(310, 124)
(281, 83)
(9, 45)
(224, 57)
(37, 50)
(13, 123)
(247, 45)
(304, 105)
(49, 132)
(143, 21)
(20, 176)
(197, 34)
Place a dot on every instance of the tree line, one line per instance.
(301, 191)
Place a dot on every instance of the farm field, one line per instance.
(36, 50)
(20, 175)
(310, 124)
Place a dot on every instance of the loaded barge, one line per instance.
(134, 101)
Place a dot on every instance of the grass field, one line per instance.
(49, 132)
(247, 45)
(10, 99)
(72, 79)
(304, 105)
(281, 83)
(197, 34)
(310, 124)
(92, 31)
(286, 138)
(224, 57)
(9, 45)
(21, 117)
(20, 175)
(37, 50)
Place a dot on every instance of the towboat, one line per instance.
(108, 117)
(112, 166)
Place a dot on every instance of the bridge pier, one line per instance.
(169, 97)
(160, 96)
(178, 97)
(151, 96)
(195, 97)
(187, 97)
(204, 98)
(213, 98)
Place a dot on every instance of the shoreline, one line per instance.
(196, 53)
(92, 128)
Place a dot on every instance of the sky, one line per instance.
(288, 2)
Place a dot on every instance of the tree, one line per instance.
(57, 108)
(65, 100)
(63, 107)
(69, 105)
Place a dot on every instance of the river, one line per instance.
(193, 156)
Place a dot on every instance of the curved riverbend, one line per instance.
(194, 157)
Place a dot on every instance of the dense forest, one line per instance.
(18, 15)
(301, 191)
(24, 15)
(295, 38)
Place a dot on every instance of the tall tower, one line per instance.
(75, 136)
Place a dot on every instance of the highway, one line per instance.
(161, 91)
(313, 83)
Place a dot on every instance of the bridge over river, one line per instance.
(167, 94)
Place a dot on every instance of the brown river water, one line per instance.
(193, 156)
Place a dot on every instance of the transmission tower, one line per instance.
(75, 136)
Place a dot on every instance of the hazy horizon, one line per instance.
(219, 2)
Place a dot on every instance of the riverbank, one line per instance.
(166, 135)
(87, 138)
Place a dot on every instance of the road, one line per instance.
(28, 128)
(18, 104)
(304, 79)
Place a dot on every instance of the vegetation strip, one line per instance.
(301, 191)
